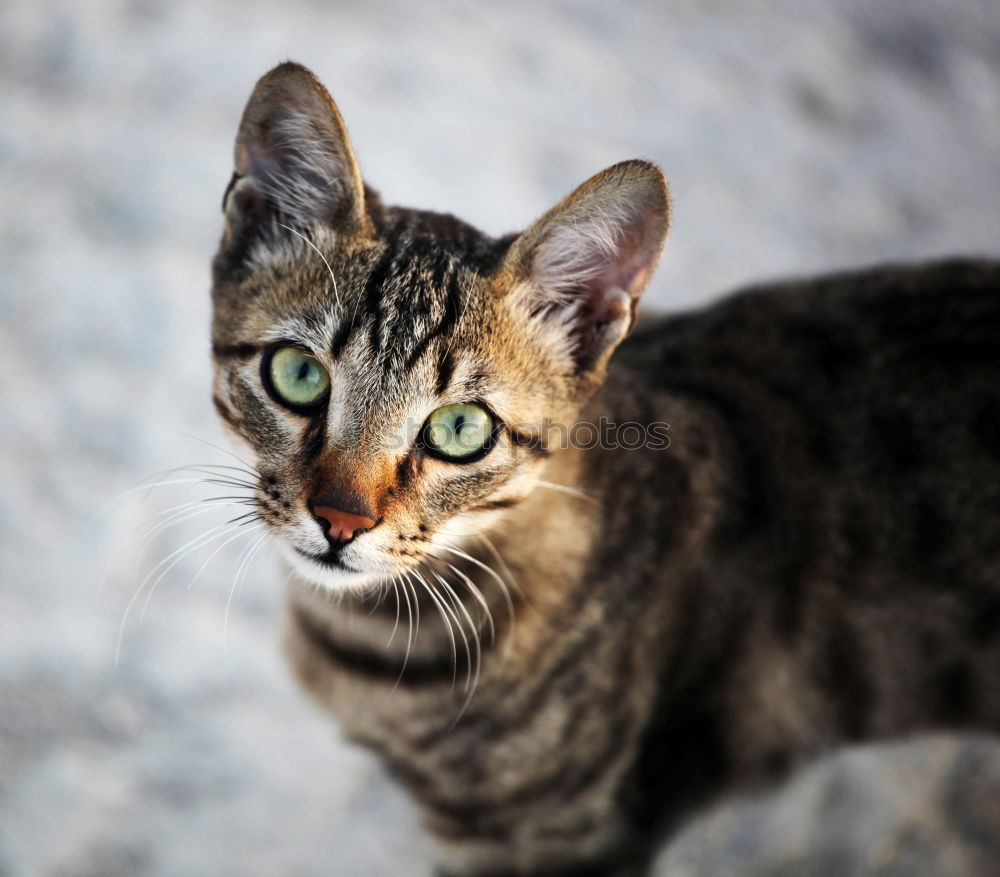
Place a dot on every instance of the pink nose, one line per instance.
(343, 525)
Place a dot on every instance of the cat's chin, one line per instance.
(326, 573)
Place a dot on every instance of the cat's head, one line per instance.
(395, 372)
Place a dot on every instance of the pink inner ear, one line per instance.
(628, 268)
(614, 290)
(606, 295)
(592, 255)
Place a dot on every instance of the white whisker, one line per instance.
(395, 627)
(149, 594)
(188, 546)
(476, 593)
(503, 585)
(204, 566)
(190, 504)
(136, 488)
(248, 468)
(411, 636)
(178, 517)
(503, 563)
(336, 293)
(471, 680)
(248, 556)
(564, 488)
(447, 623)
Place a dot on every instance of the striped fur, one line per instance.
(608, 638)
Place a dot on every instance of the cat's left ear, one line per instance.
(293, 161)
(578, 272)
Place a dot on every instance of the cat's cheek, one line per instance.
(488, 512)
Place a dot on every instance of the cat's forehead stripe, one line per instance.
(341, 337)
(451, 310)
(446, 371)
(412, 296)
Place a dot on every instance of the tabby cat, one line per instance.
(563, 625)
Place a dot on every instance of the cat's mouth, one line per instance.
(335, 569)
(330, 559)
(358, 562)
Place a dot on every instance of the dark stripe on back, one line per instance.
(985, 424)
(897, 444)
(757, 500)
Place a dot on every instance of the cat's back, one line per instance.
(828, 510)
(874, 369)
(943, 315)
(855, 420)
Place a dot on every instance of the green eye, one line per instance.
(459, 432)
(298, 379)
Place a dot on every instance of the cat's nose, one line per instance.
(339, 523)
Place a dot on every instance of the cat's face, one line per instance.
(419, 407)
(396, 375)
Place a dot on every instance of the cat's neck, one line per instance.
(491, 604)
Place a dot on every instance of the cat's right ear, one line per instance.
(293, 164)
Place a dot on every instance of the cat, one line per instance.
(570, 599)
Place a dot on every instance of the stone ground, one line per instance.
(797, 135)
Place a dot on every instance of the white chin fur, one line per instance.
(321, 575)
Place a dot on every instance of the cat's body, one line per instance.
(633, 626)
(814, 560)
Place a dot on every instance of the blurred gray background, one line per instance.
(797, 136)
